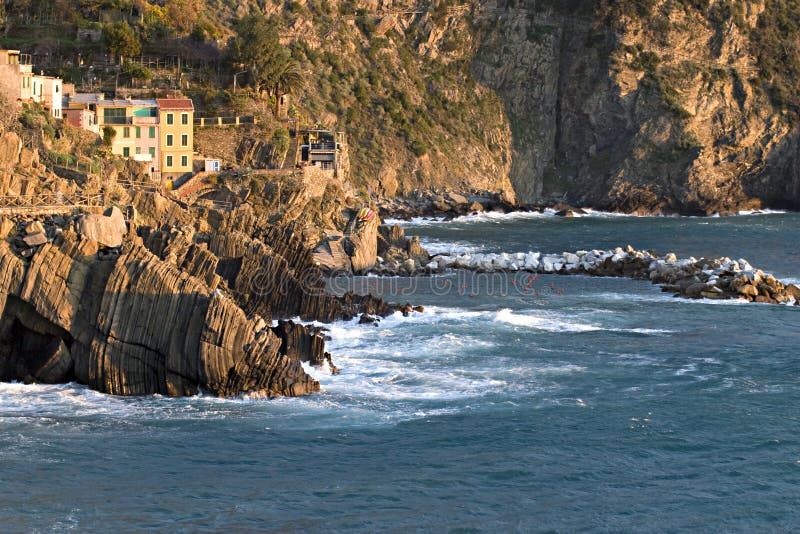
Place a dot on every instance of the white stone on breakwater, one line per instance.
(720, 278)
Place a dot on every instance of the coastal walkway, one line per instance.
(47, 204)
(195, 187)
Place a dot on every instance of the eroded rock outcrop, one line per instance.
(133, 325)
(108, 229)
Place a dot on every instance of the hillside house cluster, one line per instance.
(19, 83)
(157, 132)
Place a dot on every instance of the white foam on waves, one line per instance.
(762, 212)
(402, 361)
(558, 323)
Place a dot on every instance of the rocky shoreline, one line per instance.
(168, 300)
(450, 204)
(445, 203)
(171, 299)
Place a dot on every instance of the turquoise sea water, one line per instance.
(573, 404)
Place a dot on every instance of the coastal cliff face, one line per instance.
(395, 75)
(659, 106)
(665, 106)
(641, 107)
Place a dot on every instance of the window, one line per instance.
(138, 150)
(169, 161)
(126, 132)
(184, 161)
(170, 118)
(184, 118)
(169, 139)
(56, 88)
(185, 140)
(152, 132)
(138, 132)
(152, 151)
(126, 151)
(114, 116)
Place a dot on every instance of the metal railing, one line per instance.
(324, 147)
(117, 120)
(140, 185)
(224, 121)
(70, 162)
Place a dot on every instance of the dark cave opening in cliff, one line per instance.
(31, 347)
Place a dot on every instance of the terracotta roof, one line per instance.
(175, 104)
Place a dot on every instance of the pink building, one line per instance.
(82, 118)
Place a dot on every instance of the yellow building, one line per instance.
(176, 121)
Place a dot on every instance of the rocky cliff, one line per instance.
(171, 301)
(640, 106)
(685, 106)
(132, 325)
(655, 106)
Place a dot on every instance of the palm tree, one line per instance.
(288, 77)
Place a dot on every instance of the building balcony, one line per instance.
(145, 120)
(323, 147)
(117, 120)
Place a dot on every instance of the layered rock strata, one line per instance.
(132, 325)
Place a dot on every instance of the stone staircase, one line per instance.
(290, 160)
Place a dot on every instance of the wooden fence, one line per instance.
(47, 203)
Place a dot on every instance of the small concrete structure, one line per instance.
(325, 149)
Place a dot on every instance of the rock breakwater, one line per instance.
(717, 278)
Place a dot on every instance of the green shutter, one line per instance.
(138, 132)
(126, 151)
(152, 132)
(152, 151)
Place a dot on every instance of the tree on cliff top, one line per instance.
(257, 46)
(270, 65)
(121, 40)
(287, 79)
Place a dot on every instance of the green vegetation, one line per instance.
(280, 140)
(108, 135)
(34, 118)
(345, 69)
(120, 39)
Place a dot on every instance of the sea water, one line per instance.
(513, 404)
